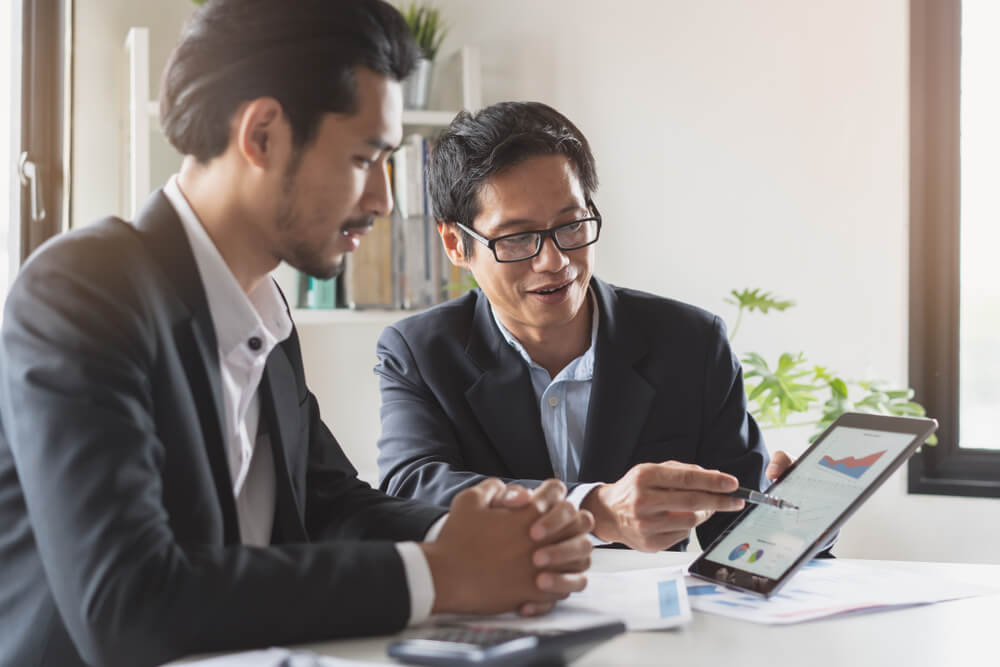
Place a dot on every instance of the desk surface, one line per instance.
(961, 633)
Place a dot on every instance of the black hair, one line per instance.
(303, 53)
(475, 147)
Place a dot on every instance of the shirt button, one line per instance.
(254, 343)
(553, 401)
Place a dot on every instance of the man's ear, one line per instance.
(451, 239)
(262, 133)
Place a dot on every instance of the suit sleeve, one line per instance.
(340, 506)
(78, 349)
(420, 453)
(731, 440)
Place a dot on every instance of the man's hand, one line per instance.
(655, 505)
(484, 561)
(561, 531)
(780, 461)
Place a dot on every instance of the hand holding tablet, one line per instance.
(765, 545)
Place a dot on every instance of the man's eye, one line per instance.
(364, 161)
(520, 239)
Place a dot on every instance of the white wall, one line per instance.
(740, 143)
(100, 114)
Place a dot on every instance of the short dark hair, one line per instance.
(475, 147)
(301, 52)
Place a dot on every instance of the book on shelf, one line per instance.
(368, 275)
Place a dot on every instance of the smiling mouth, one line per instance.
(553, 289)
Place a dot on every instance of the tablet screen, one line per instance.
(823, 484)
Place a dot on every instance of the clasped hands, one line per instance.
(504, 547)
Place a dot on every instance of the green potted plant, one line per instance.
(782, 395)
(429, 31)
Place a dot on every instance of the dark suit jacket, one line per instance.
(458, 403)
(119, 542)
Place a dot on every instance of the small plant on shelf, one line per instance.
(427, 27)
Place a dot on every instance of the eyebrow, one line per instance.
(507, 224)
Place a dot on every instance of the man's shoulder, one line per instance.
(103, 261)
(450, 321)
(656, 309)
(89, 248)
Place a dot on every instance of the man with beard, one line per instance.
(166, 484)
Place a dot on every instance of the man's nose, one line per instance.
(378, 192)
(550, 257)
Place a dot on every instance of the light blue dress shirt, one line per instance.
(563, 402)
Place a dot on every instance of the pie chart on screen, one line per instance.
(739, 551)
(756, 556)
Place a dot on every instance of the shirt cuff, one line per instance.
(435, 529)
(576, 497)
(418, 580)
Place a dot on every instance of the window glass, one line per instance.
(979, 327)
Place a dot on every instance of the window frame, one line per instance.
(46, 97)
(935, 194)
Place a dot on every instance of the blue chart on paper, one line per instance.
(670, 606)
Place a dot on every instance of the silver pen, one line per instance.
(758, 498)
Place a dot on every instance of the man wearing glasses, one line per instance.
(636, 402)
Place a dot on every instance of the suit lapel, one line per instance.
(280, 411)
(503, 399)
(620, 398)
(168, 244)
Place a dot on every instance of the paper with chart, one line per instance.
(828, 587)
(647, 599)
(824, 484)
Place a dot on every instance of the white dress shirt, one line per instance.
(247, 328)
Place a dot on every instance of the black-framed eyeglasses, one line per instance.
(525, 245)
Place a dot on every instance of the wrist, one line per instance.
(445, 592)
(605, 522)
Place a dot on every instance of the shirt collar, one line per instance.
(581, 368)
(236, 315)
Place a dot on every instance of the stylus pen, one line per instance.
(758, 498)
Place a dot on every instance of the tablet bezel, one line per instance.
(756, 584)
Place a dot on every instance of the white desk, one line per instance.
(962, 633)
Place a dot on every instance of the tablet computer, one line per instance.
(764, 546)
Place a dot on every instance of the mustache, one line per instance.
(358, 223)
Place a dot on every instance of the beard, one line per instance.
(312, 261)
(308, 257)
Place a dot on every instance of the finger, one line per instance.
(514, 497)
(658, 501)
(548, 493)
(661, 541)
(555, 583)
(780, 461)
(535, 608)
(561, 518)
(480, 495)
(674, 475)
(670, 522)
(560, 555)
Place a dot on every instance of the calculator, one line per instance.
(500, 647)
